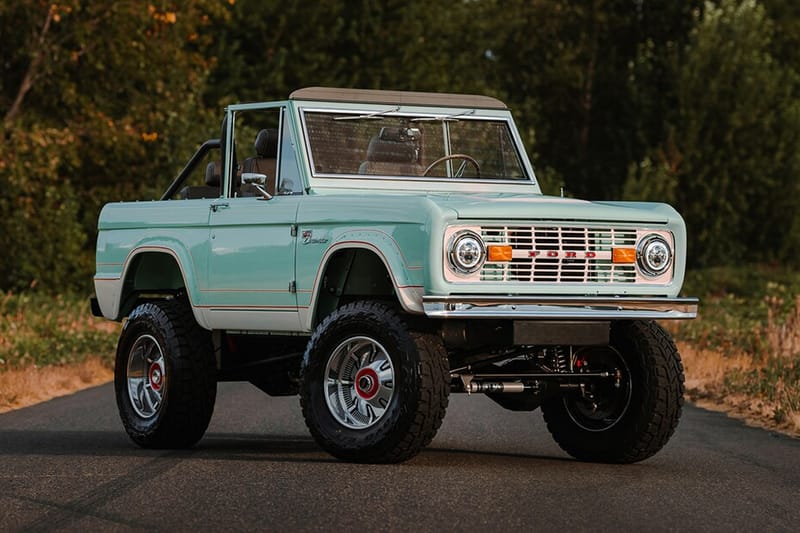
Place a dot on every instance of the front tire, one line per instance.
(165, 376)
(371, 390)
(630, 418)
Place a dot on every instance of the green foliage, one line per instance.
(565, 69)
(272, 48)
(652, 180)
(42, 238)
(36, 329)
(743, 309)
(729, 157)
(102, 102)
(693, 103)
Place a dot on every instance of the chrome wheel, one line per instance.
(146, 376)
(359, 382)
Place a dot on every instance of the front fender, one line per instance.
(406, 273)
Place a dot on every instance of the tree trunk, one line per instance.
(33, 70)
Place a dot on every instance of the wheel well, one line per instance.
(350, 275)
(151, 275)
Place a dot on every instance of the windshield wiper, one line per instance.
(371, 116)
(444, 118)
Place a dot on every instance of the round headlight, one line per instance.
(467, 252)
(654, 255)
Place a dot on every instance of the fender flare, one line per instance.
(181, 257)
(406, 279)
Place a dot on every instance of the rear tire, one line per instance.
(165, 376)
(632, 419)
(372, 391)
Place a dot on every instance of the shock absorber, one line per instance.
(494, 386)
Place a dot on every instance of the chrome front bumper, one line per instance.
(560, 307)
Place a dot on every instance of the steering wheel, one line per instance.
(460, 171)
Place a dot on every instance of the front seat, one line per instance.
(392, 153)
(264, 162)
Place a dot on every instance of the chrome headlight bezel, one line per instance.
(654, 255)
(466, 252)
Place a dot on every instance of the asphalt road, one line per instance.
(68, 465)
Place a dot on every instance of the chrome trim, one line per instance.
(452, 253)
(641, 255)
(560, 307)
(566, 253)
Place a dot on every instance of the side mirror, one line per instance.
(257, 181)
(254, 178)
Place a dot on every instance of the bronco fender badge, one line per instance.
(308, 238)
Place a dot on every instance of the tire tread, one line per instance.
(432, 387)
(192, 383)
(654, 419)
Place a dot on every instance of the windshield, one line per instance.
(378, 144)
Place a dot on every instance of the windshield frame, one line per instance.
(325, 180)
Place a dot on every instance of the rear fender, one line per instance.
(151, 270)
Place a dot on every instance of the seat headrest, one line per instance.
(267, 143)
(404, 135)
(383, 151)
(213, 174)
(391, 150)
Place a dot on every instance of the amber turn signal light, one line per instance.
(499, 253)
(624, 255)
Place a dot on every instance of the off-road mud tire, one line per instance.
(421, 386)
(656, 401)
(190, 385)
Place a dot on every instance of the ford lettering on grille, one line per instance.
(553, 254)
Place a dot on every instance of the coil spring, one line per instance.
(560, 359)
(555, 359)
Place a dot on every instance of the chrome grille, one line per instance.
(559, 254)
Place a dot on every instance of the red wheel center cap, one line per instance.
(155, 375)
(367, 383)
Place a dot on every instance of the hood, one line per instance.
(530, 207)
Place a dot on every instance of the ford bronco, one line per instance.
(374, 252)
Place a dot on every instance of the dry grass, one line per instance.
(782, 333)
(706, 374)
(41, 330)
(22, 387)
(51, 346)
(706, 369)
(760, 385)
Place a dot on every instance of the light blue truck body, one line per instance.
(374, 252)
(248, 263)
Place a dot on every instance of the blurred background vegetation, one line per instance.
(693, 103)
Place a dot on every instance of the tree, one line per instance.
(270, 49)
(729, 155)
(565, 68)
(102, 102)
